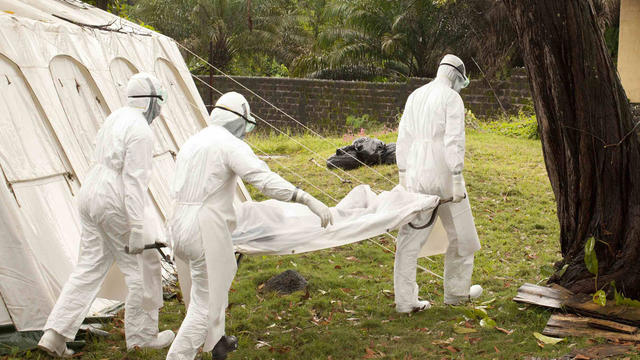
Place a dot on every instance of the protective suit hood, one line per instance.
(452, 69)
(146, 93)
(232, 112)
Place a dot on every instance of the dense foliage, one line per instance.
(341, 39)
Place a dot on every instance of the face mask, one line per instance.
(249, 128)
(466, 83)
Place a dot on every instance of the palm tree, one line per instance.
(384, 38)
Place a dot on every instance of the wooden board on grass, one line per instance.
(572, 325)
(551, 297)
(584, 305)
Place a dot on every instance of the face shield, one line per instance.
(156, 94)
(464, 80)
(248, 119)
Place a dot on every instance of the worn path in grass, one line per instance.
(348, 311)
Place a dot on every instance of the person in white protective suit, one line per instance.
(430, 157)
(111, 205)
(205, 181)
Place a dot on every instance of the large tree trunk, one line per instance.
(590, 149)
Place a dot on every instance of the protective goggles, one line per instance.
(250, 121)
(161, 96)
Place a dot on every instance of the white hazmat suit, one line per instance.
(204, 187)
(112, 213)
(430, 156)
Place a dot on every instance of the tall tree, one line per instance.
(591, 148)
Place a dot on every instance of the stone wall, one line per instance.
(325, 104)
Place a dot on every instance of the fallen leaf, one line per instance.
(262, 344)
(488, 301)
(547, 339)
(372, 354)
(443, 342)
(463, 330)
(508, 332)
(581, 357)
(351, 258)
(496, 349)
(452, 349)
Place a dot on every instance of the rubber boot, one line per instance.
(225, 345)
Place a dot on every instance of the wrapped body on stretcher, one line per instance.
(279, 228)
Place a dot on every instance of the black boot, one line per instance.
(225, 345)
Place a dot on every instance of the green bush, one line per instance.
(362, 122)
(519, 126)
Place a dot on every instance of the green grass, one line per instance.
(348, 312)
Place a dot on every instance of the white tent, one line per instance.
(63, 69)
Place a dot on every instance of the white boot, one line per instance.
(164, 339)
(419, 306)
(474, 292)
(54, 344)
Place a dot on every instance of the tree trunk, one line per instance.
(591, 150)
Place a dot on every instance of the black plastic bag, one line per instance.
(364, 150)
(389, 154)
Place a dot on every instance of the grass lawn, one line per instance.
(348, 312)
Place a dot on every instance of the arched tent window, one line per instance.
(164, 145)
(121, 71)
(40, 244)
(81, 99)
(29, 149)
(181, 112)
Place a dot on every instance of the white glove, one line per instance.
(403, 179)
(316, 206)
(458, 188)
(136, 240)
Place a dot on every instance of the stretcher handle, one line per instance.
(156, 245)
(434, 214)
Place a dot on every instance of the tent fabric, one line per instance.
(58, 82)
(4, 314)
(278, 228)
